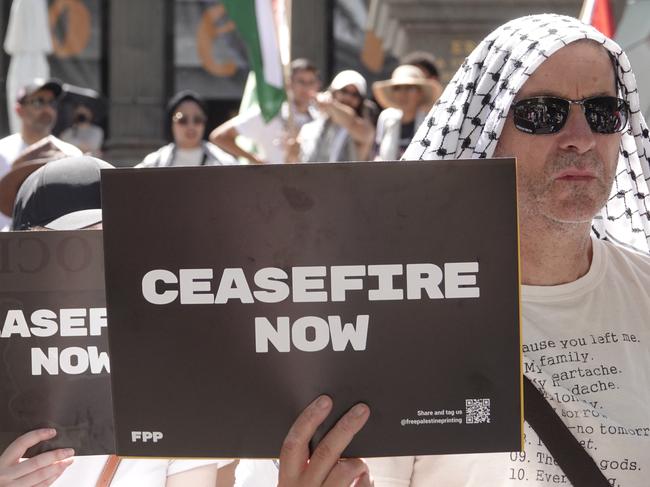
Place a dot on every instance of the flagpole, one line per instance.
(286, 68)
(587, 11)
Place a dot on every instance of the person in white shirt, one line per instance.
(560, 97)
(36, 106)
(271, 137)
(406, 98)
(186, 119)
(343, 130)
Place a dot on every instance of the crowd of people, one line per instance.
(552, 92)
(341, 123)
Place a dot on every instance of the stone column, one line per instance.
(140, 76)
(310, 32)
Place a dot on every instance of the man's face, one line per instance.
(565, 177)
(38, 111)
(304, 85)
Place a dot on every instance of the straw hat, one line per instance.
(406, 75)
(33, 157)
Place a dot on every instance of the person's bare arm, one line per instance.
(225, 135)
(324, 468)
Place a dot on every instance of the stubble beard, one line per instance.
(563, 205)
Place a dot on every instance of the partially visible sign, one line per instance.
(53, 340)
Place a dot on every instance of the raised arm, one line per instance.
(359, 128)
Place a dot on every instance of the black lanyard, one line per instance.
(572, 458)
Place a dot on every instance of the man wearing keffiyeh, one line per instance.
(562, 99)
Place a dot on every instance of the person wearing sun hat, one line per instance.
(407, 97)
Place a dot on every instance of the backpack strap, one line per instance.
(108, 472)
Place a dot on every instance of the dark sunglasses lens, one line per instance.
(606, 114)
(541, 115)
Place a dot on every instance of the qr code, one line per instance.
(477, 411)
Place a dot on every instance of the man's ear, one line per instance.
(18, 109)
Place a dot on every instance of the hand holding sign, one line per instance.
(42, 469)
(324, 467)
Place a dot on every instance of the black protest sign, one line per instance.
(53, 340)
(237, 295)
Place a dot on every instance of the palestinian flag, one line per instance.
(261, 24)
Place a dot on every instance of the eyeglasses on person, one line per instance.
(547, 114)
(182, 119)
(40, 102)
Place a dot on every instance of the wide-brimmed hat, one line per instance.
(406, 75)
(61, 195)
(34, 156)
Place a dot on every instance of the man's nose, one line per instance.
(576, 135)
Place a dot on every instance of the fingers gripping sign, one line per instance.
(325, 467)
(40, 470)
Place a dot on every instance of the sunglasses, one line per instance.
(548, 114)
(183, 119)
(40, 102)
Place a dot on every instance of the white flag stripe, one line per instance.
(268, 43)
(284, 35)
(587, 11)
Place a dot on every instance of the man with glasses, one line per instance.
(271, 138)
(562, 99)
(36, 106)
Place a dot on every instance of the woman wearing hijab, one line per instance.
(186, 117)
(344, 131)
(407, 97)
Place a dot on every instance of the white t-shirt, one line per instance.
(189, 157)
(587, 346)
(10, 147)
(141, 472)
(268, 137)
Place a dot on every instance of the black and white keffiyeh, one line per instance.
(467, 120)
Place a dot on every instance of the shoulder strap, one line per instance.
(572, 458)
(108, 472)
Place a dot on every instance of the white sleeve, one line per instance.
(250, 123)
(179, 466)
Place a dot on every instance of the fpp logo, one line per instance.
(146, 436)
